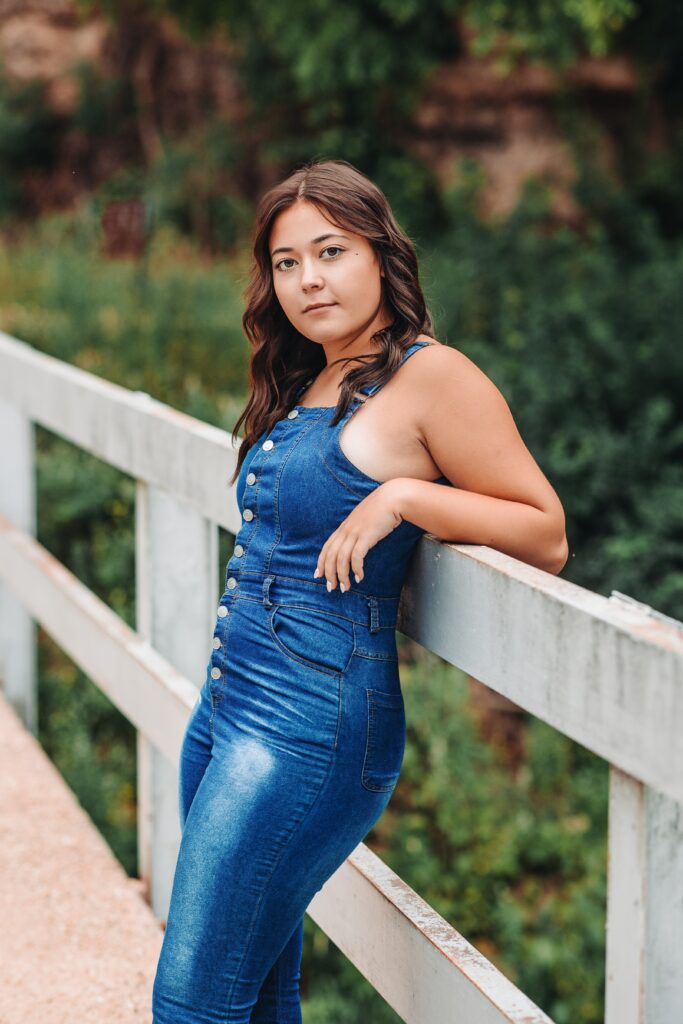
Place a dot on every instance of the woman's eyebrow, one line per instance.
(314, 241)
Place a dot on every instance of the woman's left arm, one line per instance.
(499, 495)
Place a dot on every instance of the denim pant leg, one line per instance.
(233, 906)
(279, 1000)
(268, 824)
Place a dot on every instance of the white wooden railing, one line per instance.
(607, 672)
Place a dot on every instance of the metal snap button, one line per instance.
(251, 478)
(267, 445)
(293, 414)
(216, 643)
(238, 551)
(232, 583)
(215, 673)
(222, 611)
(248, 515)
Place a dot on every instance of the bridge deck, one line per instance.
(78, 941)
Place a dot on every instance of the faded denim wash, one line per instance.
(295, 744)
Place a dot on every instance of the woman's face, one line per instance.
(316, 261)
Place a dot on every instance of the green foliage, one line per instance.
(28, 137)
(580, 334)
(85, 520)
(557, 33)
(517, 866)
(323, 79)
(190, 186)
(168, 325)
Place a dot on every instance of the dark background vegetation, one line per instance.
(576, 319)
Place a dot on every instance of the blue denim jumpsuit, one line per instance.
(295, 744)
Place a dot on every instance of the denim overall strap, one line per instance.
(368, 390)
(372, 389)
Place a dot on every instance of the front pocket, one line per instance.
(385, 742)
(318, 639)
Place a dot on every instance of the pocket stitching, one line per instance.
(395, 701)
(323, 669)
(363, 651)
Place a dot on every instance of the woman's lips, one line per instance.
(320, 309)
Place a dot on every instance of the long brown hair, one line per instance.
(282, 358)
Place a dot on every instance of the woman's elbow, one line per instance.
(559, 558)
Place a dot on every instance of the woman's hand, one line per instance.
(371, 520)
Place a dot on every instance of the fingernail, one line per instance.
(356, 578)
(341, 587)
(316, 574)
(329, 586)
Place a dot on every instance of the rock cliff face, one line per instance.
(508, 123)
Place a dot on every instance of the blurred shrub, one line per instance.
(168, 324)
(29, 132)
(191, 186)
(518, 867)
(580, 333)
(86, 520)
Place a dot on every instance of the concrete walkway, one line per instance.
(77, 940)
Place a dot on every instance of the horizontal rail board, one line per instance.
(423, 967)
(137, 679)
(158, 701)
(130, 430)
(608, 675)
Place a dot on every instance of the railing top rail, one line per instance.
(607, 672)
(184, 456)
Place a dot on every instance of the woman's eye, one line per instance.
(287, 259)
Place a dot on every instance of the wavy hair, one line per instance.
(282, 359)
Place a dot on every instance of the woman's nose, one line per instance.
(310, 275)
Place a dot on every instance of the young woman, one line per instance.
(362, 432)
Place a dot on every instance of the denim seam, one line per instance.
(370, 655)
(331, 673)
(256, 487)
(309, 607)
(339, 429)
(356, 492)
(276, 488)
(369, 736)
(315, 586)
(218, 696)
(371, 733)
(375, 657)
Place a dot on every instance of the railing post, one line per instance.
(176, 574)
(644, 983)
(664, 909)
(18, 654)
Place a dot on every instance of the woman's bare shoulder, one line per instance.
(437, 358)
